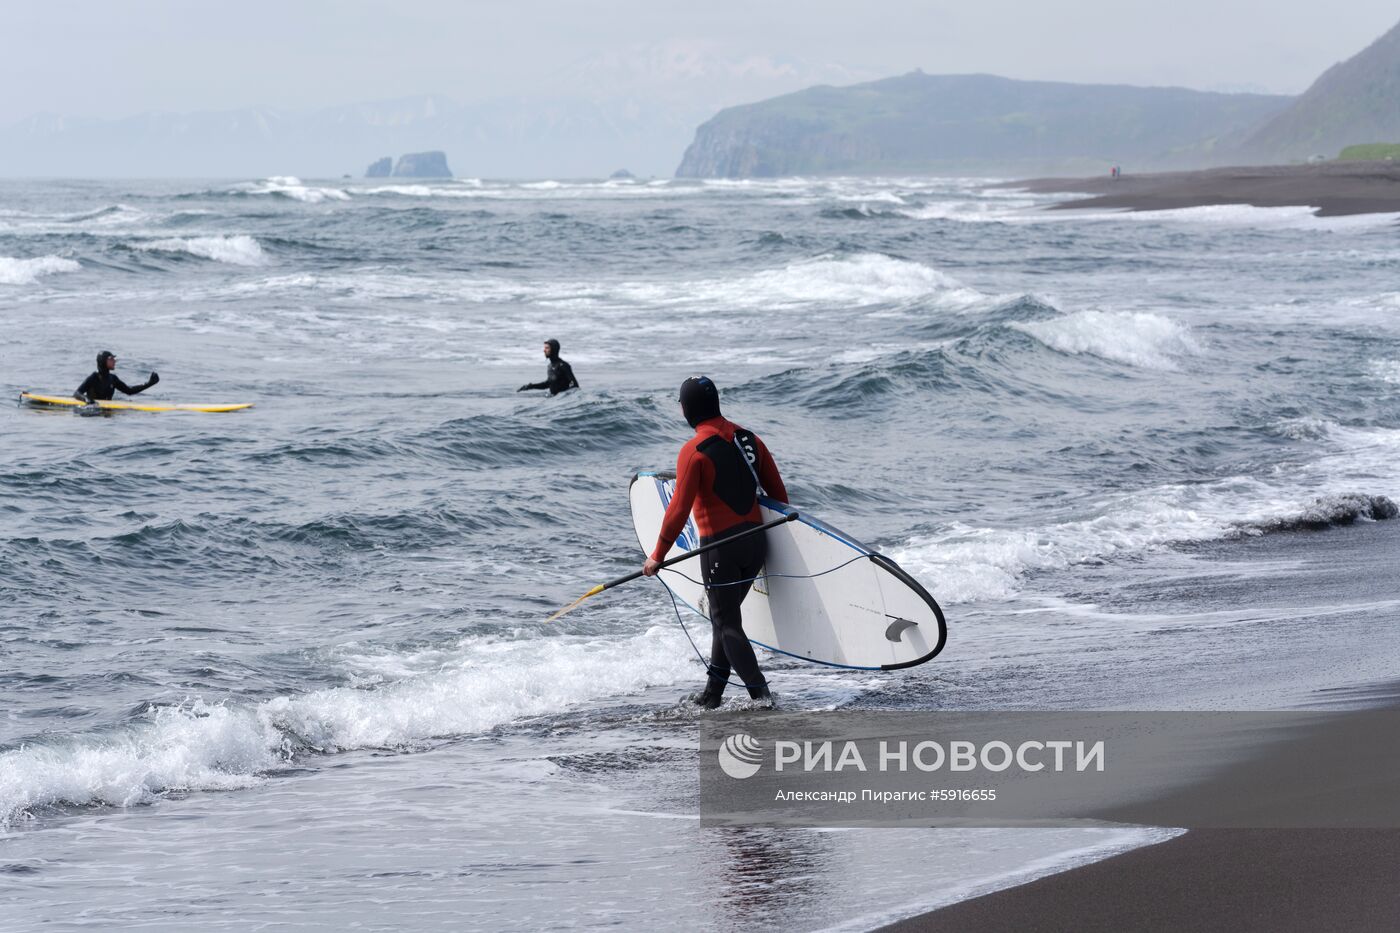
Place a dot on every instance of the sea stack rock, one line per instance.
(622, 175)
(380, 168)
(423, 165)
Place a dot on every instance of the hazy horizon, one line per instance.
(575, 90)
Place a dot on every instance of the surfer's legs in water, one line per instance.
(722, 570)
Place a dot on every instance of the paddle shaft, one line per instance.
(791, 516)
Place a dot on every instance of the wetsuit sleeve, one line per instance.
(688, 469)
(569, 381)
(768, 476)
(85, 387)
(129, 390)
(534, 385)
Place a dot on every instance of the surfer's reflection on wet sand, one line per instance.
(761, 870)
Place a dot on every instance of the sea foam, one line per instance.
(1138, 338)
(1352, 480)
(201, 745)
(27, 271)
(239, 250)
(289, 186)
(855, 280)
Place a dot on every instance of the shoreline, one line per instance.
(1238, 879)
(1207, 880)
(1332, 189)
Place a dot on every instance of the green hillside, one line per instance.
(1354, 102)
(1371, 152)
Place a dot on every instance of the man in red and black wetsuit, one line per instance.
(720, 471)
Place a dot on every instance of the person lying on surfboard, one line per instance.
(721, 471)
(560, 375)
(101, 385)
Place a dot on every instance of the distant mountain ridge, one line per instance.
(918, 123)
(1354, 102)
(983, 124)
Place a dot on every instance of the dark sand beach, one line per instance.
(1276, 880)
(1331, 188)
(1235, 880)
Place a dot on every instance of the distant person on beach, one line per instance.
(101, 385)
(560, 375)
(721, 471)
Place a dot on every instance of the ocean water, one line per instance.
(287, 667)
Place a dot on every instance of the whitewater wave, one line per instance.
(289, 186)
(1330, 512)
(966, 563)
(239, 250)
(1000, 210)
(842, 282)
(856, 280)
(1215, 215)
(868, 278)
(27, 271)
(1138, 338)
(206, 746)
(412, 191)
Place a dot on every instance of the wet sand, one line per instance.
(1242, 880)
(1331, 188)
(1225, 880)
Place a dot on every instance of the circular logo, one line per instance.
(740, 756)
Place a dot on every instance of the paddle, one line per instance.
(674, 560)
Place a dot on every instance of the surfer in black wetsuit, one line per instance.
(101, 385)
(560, 377)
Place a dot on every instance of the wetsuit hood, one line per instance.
(553, 348)
(699, 400)
(102, 359)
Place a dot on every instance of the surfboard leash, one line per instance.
(675, 606)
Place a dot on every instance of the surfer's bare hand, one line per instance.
(651, 567)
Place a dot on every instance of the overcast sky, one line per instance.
(112, 59)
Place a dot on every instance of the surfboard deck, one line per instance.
(60, 401)
(823, 596)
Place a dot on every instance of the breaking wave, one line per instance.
(240, 250)
(967, 563)
(289, 186)
(1330, 512)
(199, 745)
(27, 271)
(1140, 339)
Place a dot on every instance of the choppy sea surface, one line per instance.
(287, 667)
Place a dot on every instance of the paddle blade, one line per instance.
(574, 605)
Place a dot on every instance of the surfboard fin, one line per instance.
(896, 629)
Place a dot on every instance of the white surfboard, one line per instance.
(822, 597)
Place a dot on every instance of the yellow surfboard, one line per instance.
(32, 398)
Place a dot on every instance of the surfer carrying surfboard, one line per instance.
(102, 385)
(720, 472)
(560, 375)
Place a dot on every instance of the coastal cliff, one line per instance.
(919, 123)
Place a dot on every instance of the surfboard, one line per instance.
(822, 596)
(32, 398)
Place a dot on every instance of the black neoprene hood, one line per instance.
(699, 399)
